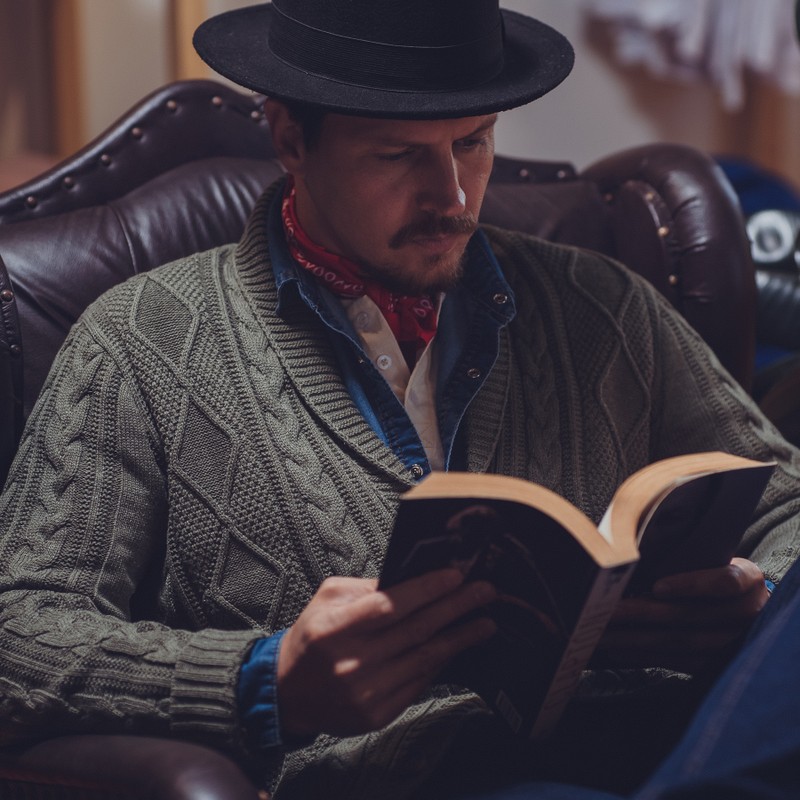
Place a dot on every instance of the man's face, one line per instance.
(399, 197)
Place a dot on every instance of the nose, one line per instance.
(440, 189)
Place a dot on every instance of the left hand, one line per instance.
(690, 621)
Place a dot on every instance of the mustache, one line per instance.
(432, 225)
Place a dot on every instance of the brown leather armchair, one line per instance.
(178, 174)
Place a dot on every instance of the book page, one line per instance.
(642, 494)
(697, 523)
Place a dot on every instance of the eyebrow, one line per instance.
(484, 126)
(389, 141)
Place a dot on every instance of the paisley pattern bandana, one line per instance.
(412, 319)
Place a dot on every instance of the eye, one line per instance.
(473, 143)
(398, 156)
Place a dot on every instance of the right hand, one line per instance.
(692, 621)
(357, 657)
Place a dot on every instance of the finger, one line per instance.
(421, 627)
(736, 613)
(738, 577)
(344, 590)
(375, 697)
(419, 666)
(381, 609)
(641, 613)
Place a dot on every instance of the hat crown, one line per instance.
(403, 59)
(419, 23)
(383, 43)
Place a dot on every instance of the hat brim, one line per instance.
(234, 44)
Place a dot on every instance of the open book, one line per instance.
(559, 576)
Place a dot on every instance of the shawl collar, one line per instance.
(303, 347)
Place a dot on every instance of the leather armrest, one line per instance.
(93, 766)
(678, 223)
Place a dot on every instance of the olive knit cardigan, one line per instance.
(195, 467)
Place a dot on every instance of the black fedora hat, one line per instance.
(408, 59)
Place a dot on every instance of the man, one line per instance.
(193, 526)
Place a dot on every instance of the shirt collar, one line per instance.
(483, 279)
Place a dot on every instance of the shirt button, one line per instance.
(473, 373)
(416, 471)
(500, 299)
(384, 361)
(362, 320)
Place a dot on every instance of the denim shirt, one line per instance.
(467, 338)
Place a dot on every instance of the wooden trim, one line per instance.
(68, 86)
(773, 141)
(764, 131)
(185, 16)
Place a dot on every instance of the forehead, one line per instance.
(367, 131)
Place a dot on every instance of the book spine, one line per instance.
(603, 598)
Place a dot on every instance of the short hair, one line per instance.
(309, 117)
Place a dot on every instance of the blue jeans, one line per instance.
(744, 740)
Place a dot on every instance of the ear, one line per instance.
(287, 136)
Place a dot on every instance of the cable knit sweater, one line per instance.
(195, 467)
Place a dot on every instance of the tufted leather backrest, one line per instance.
(177, 174)
(180, 172)
(665, 210)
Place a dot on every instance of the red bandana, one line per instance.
(412, 319)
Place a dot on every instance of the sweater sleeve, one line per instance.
(82, 529)
(698, 406)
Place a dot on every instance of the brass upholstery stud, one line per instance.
(172, 105)
(673, 280)
(68, 182)
(105, 160)
(15, 349)
(6, 295)
(216, 101)
(561, 174)
(524, 173)
(136, 133)
(256, 115)
(663, 231)
(608, 197)
(31, 201)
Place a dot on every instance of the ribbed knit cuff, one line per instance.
(203, 698)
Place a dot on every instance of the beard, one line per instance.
(436, 273)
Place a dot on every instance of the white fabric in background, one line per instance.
(716, 40)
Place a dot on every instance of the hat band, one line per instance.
(378, 65)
